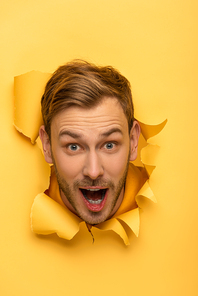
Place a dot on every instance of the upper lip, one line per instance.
(93, 188)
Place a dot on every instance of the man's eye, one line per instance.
(109, 146)
(73, 147)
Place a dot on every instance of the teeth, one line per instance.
(93, 189)
(95, 202)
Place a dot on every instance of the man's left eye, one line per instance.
(109, 146)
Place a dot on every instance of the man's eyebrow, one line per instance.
(111, 131)
(69, 133)
(78, 136)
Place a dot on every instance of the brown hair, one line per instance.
(84, 84)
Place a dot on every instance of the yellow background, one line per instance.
(154, 43)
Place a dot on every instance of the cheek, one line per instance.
(116, 165)
(68, 167)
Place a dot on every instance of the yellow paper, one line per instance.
(149, 131)
(50, 211)
(28, 90)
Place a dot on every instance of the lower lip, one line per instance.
(95, 207)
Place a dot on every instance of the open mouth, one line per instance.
(94, 198)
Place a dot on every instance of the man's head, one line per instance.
(89, 134)
(83, 84)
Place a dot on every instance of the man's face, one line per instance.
(90, 150)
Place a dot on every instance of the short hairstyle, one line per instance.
(79, 83)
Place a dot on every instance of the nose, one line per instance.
(93, 167)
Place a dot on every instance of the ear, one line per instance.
(134, 137)
(46, 144)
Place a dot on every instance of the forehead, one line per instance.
(107, 114)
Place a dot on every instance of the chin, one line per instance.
(94, 218)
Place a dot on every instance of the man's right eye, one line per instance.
(73, 147)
